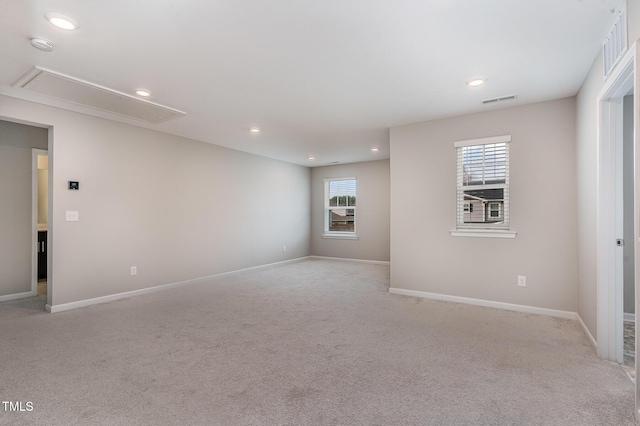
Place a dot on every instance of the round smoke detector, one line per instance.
(42, 44)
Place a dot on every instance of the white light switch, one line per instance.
(72, 216)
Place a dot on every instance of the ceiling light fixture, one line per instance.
(375, 149)
(476, 82)
(143, 93)
(311, 158)
(61, 21)
(254, 130)
(42, 44)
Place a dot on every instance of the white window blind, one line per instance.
(342, 192)
(483, 183)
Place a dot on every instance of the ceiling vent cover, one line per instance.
(500, 99)
(616, 42)
(51, 83)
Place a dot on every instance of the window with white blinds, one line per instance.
(340, 206)
(483, 183)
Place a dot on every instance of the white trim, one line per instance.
(629, 317)
(50, 243)
(17, 296)
(34, 220)
(347, 259)
(339, 178)
(34, 216)
(483, 141)
(327, 212)
(587, 333)
(340, 236)
(109, 298)
(483, 233)
(609, 133)
(486, 303)
(635, 48)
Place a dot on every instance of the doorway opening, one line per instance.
(18, 178)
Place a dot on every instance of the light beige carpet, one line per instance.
(316, 342)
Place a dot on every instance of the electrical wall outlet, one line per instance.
(134, 270)
(284, 249)
(522, 280)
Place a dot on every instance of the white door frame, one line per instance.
(609, 202)
(609, 199)
(34, 217)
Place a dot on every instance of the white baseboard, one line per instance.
(587, 333)
(486, 303)
(17, 296)
(346, 259)
(629, 317)
(109, 298)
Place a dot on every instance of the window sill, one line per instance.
(483, 233)
(340, 236)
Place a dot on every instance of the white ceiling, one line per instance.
(326, 78)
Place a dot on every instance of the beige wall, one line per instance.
(586, 171)
(177, 209)
(16, 143)
(425, 257)
(372, 218)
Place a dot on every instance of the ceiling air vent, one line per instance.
(51, 83)
(615, 44)
(500, 99)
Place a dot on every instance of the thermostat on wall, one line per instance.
(74, 185)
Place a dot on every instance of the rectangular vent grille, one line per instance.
(616, 42)
(84, 93)
(500, 99)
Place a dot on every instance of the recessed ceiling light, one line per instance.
(42, 44)
(375, 149)
(61, 21)
(476, 82)
(254, 130)
(311, 158)
(143, 93)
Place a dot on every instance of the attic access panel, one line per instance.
(53, 84)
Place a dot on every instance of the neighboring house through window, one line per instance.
(483, 183)
(340, 208)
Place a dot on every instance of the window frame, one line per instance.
(485, 229)
(496, 210)
(347, 235)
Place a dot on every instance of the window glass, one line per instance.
(340, 205)
(483, 183)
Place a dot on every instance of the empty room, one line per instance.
(332, 213)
